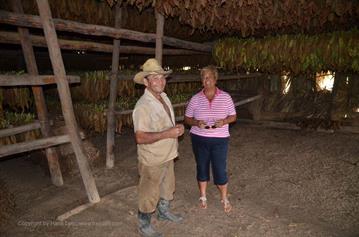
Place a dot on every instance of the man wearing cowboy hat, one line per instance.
(157, 146)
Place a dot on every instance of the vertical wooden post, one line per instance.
(256, 106)
(28, 52)
(65, 98)
(160, 21)
(339, 104)
(111, 124)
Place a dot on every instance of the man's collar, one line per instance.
(149, 94)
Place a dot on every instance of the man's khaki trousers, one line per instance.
(155, 182)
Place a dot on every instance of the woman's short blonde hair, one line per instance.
(210, 68)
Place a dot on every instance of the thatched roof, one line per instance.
(203, 20)
(257, 17)
(100, 13)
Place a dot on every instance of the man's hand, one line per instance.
(180, 128)
(176, 131)
(151, 137)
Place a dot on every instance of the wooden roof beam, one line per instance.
(8, 37)
(98, 30)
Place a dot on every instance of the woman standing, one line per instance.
(208, 113)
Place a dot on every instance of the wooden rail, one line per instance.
(176, 78)
(20, 129)
(33, 145)
(7, 37)
(32, 80)
(180, 118)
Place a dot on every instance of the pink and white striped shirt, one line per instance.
(200, 108)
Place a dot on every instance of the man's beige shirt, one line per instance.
(149, 115)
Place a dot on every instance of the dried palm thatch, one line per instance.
(253, 17)
(247, 17)
(99, 13)
(95, 12)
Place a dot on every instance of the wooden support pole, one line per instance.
(33, 145)
(339, 100)
(32, 80)
(28, 52)
(111, 125)
(7, 37)
(66, 102)
(98, 30)
(160, 22)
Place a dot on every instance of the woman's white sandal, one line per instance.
(227, 207)
(203, 202)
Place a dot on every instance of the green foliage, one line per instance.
(12, 119)
(180, 98)
(16, 119)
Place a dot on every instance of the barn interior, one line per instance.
(68, 163)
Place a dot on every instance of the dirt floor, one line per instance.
(282, 183)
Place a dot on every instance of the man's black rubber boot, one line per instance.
(145, 227)
(164, 212)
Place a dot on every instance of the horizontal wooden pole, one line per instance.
(248, 100)
(176, 78)
(98, 30)
(270, 124)
(39, 41)
(129, 111)
(32, 80)
(179, 105)
(349, 129)
(123, 112)
(33, 145)
(62, 131)
(20, 129)
(74, 211)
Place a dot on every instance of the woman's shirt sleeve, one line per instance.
(190, 108)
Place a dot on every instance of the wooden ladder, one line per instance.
(36, 81)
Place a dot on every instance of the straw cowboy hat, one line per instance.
(150, 67)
